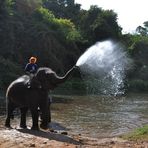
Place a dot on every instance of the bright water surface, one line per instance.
(101, 116)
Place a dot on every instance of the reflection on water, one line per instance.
(101, 116)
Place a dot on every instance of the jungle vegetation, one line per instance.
(57, 32)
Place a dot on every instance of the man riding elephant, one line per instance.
(19, 95)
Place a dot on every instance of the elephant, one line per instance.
(32, 93)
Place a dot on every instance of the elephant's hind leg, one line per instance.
(23, 117)
(10, 109)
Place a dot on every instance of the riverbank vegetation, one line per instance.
(58, 32)
(138, 134)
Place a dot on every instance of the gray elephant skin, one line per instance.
(19, 95)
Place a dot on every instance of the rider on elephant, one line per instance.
(31, 67)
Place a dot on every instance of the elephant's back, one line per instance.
(17, 88)
(20, 82)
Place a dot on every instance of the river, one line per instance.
(100, 116)
(97, 116)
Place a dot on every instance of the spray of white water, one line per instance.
(103, 68)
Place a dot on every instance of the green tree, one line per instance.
(3, 9)
(26, 7)
(141, 30)
(97, 24)
(106, 26)
(63, 8)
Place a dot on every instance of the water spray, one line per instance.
(103, 67)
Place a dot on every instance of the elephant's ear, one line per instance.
(52, 78)
(40, 75)
(35, 83)
(47, 78)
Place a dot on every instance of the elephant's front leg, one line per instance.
(45, 116)
(23, 117)
(49, 112)
(35, 115)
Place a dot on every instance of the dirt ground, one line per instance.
(25, 138)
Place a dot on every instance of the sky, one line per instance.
(131, 13)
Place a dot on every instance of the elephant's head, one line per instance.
(48, 79)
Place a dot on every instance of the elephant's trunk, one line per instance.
(66, 76)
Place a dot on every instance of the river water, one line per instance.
(100, 116)
(96, 116)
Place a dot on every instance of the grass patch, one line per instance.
(138, 134)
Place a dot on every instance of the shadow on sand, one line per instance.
(51, 135)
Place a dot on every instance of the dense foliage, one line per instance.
(57, 32)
